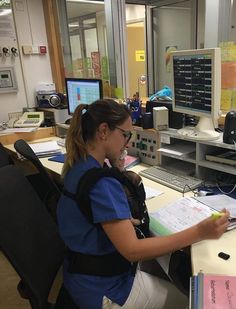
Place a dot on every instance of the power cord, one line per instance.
(222, 191)
(195, 192)
(219, 186)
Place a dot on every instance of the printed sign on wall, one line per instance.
(139, 55)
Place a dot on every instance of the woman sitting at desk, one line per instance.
(98, 131)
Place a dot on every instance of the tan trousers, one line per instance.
(150, 292)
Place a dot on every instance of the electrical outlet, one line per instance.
(14, 115)
(27, 49)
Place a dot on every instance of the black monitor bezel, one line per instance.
(75, 79)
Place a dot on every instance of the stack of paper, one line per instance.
(46, 149)
(180, 150)
(189, 211)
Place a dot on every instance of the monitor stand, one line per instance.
(204, 130)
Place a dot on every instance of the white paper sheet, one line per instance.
(150, 192)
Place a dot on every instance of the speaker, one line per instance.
(229, 136)
(147, 121)
(51, 100)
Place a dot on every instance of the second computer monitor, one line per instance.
(196, 84)
(82, 91)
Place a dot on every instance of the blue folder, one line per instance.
(58, 158)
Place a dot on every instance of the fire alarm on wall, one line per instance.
(43, 50)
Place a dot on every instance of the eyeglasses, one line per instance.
(127, 134)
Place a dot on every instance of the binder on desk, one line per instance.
(208, 291)
(189, 211)
(60, 158)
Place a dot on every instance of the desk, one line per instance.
(10, 138)
(205, 253)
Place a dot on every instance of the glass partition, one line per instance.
(83, 39)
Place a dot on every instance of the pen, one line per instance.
(217, 215)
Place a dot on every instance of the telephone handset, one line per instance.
(28, 119)
(11, 122)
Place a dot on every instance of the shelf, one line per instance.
(189, 158)
(218, 166)
(203, 168)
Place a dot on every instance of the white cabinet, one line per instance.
(188, 156)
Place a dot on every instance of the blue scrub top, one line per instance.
(108, 202)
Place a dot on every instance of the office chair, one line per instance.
(5, 158)
(30, 240)
(44, 185)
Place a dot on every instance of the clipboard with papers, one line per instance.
(188, 211)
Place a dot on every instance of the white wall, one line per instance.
(172, 27)
(211, 23)
(30, 69)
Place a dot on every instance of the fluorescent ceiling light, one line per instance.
(86, 1)
(5, 12)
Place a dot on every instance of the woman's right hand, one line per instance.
(213, 228)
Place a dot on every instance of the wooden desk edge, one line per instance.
(7, 139)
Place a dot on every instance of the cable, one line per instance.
(222, 191)
(190, 189)
(234, 145)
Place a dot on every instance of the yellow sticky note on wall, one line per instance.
(226, 99)
(139, 55)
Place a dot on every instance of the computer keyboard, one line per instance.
(170, 179)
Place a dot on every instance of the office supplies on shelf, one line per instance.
(170, 179)
(223, 156)
(186, 212)
(180, 149)
(211, 291)
(45, 149)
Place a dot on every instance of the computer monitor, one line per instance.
(82, 91)
(196, 84)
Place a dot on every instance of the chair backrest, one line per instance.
(23, 148)
(5, 158)
(28, 235)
